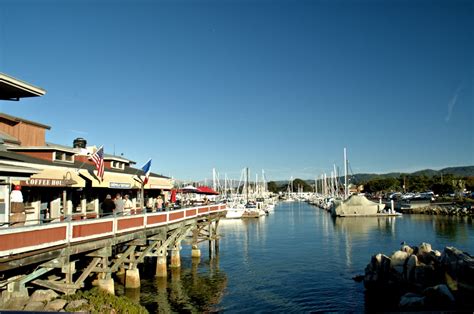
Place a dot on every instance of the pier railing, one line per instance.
(43, 236)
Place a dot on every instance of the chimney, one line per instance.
(79, 143)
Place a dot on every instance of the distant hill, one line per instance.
(462, 171)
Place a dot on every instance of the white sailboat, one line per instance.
(355, 205)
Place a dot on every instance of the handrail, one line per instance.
(68, 231)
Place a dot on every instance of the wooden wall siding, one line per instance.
(31, 135)
(83, 159)
(128, 223)
(190, 212)
(31, 238)
(92, 229)
(203, 210)
(40, 155)
(174, 216)
(27, 134)
(8, 127)
(156, 219)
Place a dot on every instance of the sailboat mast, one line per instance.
(247, 184)
(345, 174)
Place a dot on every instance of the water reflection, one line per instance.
(196, 287)
(451, 228)
(363, 227)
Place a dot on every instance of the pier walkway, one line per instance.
(63, 255)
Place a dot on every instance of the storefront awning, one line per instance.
(158, 184)
(55, 177)
(112, 180)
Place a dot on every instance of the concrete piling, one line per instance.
(132, 278)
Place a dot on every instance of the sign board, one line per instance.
(44, 182)
(119, 185)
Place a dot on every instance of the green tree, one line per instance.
(298, 182)
(272, 187)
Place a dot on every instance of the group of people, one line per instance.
(156, 204)
(118, 205)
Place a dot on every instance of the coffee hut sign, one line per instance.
(48, 182)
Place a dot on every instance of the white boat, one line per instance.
(357, 205)
(234, 212)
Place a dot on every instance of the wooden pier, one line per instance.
(62, 256)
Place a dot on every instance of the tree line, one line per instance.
(439, 184)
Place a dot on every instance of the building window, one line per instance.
(63, 156)
(117, 165)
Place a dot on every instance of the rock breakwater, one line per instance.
(421, 278)
(442, 209)
(92, 301)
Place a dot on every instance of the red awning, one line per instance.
(206, 190)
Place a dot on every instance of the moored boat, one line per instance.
(357, 205)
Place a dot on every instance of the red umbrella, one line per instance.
(206, 190)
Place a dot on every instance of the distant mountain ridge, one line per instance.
(461, 171)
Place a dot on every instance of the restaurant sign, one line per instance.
(45, 182)
(119, 185)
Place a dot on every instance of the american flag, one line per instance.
(98, 159)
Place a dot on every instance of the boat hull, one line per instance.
(357, 205)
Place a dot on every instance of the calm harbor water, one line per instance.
(297, 259)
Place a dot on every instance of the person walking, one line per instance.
(18, 215)
(108, 206)
(119, 204)
(127, 205)
(159, 203)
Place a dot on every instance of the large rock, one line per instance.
(438, 296)
(460, 267)
(15, 303)
(412, 263)
(425, 276)
(424, 248)
(34, 306)
(406, 248)
(75, 305)
(55, 305)
(411, 301)
(398, 261)
(377, 272)
(43, 296)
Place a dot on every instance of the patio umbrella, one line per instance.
(206, 190)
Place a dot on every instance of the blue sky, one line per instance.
(278, 85)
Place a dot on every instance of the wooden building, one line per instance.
(60, 181)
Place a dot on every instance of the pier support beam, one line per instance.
(195, 252)
(175, 256)
(132, 278)
(161, 267)
(106, 285)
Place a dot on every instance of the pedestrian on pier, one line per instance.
(127, 205)
(159, 204)
(18, 215)
(119, 204)
(108, 206)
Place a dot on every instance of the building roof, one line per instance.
(17, 119)
(77, 164)
(6, 168)
(14, 89)
(7, 138)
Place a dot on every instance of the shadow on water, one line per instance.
(186, 289)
